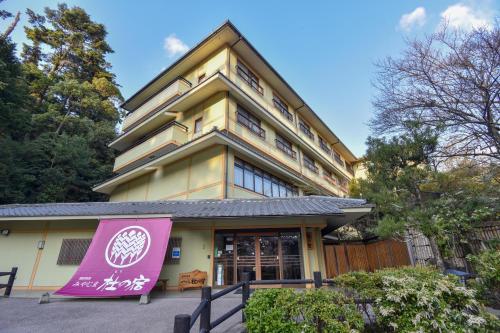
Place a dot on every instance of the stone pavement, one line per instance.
(22, 313)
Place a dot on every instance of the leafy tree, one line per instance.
(448, 81)
(397, 169)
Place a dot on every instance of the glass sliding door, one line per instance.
(291, 255)
(269, 258)
(273, 255)
(245, 256)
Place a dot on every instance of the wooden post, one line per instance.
(206, 294)
(318, 282)
(181, 323)
(245, 293)
(10, 283)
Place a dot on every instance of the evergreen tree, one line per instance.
(60, 108)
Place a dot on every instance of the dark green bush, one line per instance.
(287, 310)
(487, 266)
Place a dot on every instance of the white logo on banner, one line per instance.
(127, 247)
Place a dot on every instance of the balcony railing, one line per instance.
(329, 179)
(170, 133)
(286, 149)
(282, 109)
(338, 159)
(243, 120)
(306, 131)
(325, 148)
(311, 166)
(349, 168)
(251, 82)
(173, 90)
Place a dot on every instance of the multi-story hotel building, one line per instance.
(219, 141)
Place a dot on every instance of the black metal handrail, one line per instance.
(311, 166)
(10, 282)
(251, 82)
(306, 131)
(282, 108)
(243, 120)
(184, 322)
(287, 150)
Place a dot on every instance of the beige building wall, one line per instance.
(198, 176)
(38, 268)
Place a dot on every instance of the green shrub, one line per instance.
(287, 310)
(419, 299)
(487, 266)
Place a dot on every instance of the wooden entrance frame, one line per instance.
(256, 234)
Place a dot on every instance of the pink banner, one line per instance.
(124, 258)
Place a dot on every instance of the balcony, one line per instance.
(168, 136)
(349, 168)
(306, 131)
(328, 177)
(173, 90)
(311, 166)
(246, 122)
(325, 147)
(286, 149)
(338, 159)
(254, 84)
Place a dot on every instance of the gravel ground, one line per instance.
(107, 315)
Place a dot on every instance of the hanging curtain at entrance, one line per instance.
(124, 258)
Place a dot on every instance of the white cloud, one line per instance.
(467, 17)
(174, 46)
(416, 18)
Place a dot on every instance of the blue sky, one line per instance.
(325, 50)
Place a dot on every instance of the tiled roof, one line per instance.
(296, 206)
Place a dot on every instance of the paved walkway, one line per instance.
(22, 313)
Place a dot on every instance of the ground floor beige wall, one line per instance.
(38, 268)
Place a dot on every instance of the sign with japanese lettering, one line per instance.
(124, 258)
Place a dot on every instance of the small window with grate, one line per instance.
(72, 251)
(173, 242)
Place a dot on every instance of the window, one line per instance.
(201, 78)
(324, 145)
(198, 125)
(337, 158)
(280, 105)
(268, 191)
(285, 146)
(306, 129)
(259, 181)
(349, 168)
(72, 251)
(238, 174)
(309, 163)
(249, 77)
(328, 175)
(251, 122)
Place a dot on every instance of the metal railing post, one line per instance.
(181, 323)
(318, 282)
(10, 283)
(245, 293)
(206, 294)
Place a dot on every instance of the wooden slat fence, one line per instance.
(347, 257)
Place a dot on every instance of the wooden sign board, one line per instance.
(194, 279)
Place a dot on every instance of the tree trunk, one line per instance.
(436, 253)
(11, 27)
